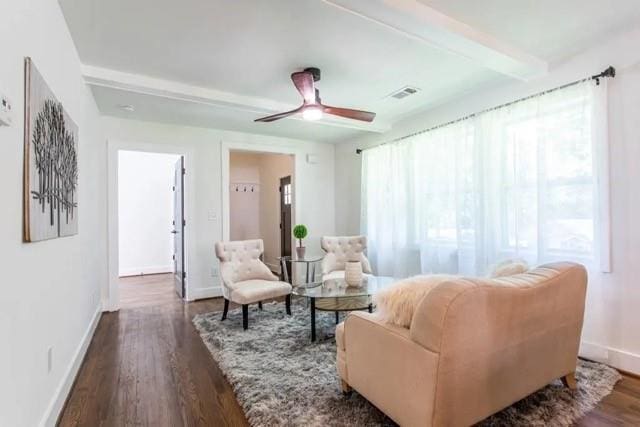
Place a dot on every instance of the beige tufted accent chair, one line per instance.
(341, 249)
(246, 279)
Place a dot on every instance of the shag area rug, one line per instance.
(281, 378)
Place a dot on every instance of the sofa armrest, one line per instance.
(388, 368)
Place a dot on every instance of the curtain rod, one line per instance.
(609, 72)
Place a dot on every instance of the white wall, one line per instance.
(145, 212)
(51, 289)
(612, 321)
(315, 186)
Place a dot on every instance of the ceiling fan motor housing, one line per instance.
(315, 72)
(312, 107)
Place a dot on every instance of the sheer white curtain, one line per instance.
(529, 180)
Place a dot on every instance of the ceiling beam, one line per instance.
(420, 22)
(136, 83)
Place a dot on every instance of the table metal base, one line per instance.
(337, 305)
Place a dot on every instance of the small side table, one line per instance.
(309, 260)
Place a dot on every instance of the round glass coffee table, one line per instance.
(335, 295)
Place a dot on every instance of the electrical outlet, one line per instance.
(212, 216)
(214, 272)
(49, 359)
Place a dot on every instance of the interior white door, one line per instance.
(178, 228)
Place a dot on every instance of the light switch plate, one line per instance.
(6, 111)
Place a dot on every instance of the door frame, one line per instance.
(111, 295)
(181, 226)
(225, 149)
(284, 181)
(282, 228)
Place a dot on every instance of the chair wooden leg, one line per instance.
(569, 381)
(245, 316)
(260, 305)
(346, 388)
(226, 309)
(287, 302)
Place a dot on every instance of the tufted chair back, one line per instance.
(341, 249)
(240, 261)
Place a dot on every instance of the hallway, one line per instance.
(147, 290)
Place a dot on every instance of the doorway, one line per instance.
(286, 198)
(261, 201)
(151, 224)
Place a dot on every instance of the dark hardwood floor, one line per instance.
(147, 366)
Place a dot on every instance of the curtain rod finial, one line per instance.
(609, 72)
(358, 150)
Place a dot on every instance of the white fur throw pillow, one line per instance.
(510, 267)
(397, 303)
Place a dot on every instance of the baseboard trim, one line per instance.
(59, 399)
(204, 293)
(623, 360)
(152, 269)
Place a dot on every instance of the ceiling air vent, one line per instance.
(404, 92)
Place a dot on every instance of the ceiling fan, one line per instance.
(312, 108)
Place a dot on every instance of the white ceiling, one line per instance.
(249, 48)
(549, 29)
(171, 111)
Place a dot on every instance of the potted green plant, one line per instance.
(300, 232)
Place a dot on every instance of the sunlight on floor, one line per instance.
(148, 290)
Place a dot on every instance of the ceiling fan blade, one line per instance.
(364, 116)
(303, 81)
(278, 116)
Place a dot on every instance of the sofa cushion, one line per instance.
(250, 291)
(397, 303)
(510, 267)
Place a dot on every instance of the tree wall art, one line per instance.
(50, 163)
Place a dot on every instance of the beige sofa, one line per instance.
(474, 347)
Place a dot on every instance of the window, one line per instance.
(519, 181)
(287, 194)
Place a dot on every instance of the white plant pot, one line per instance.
(300, 252)
(353, 273)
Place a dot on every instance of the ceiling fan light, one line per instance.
(312, 113)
